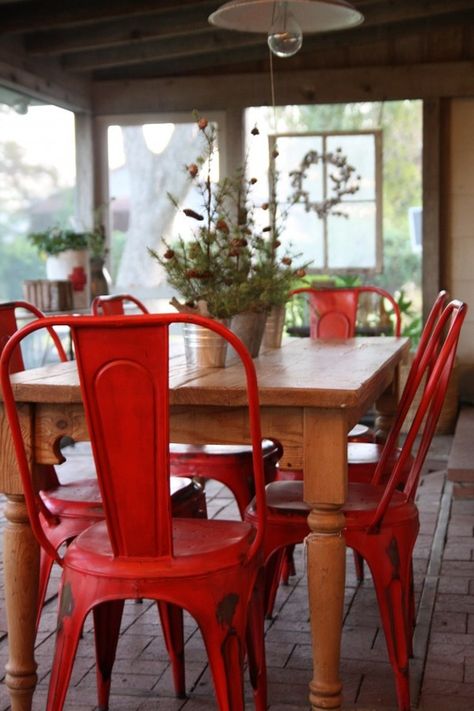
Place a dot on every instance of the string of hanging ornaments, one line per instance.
(284, 21)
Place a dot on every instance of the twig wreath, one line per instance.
(342, 177)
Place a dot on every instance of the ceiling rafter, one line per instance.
(169, 49)
(33, 15)
(190, 20)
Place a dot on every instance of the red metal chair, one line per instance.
(333, 311)
(67, 509)
(333, 314)
(229, 464)
(382, 520)
(213, 568)
(363, 457)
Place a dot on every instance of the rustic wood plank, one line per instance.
(32, 15)
(304, 372)
(207, 41)
(120, 32)
(429, 80)
(43, 81)
(432, 187)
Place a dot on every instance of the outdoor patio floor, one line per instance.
(442, 671)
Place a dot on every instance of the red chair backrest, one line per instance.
(413, 381)
(333, 311)
(9, 326)
(123, 370)
(426, 335)
(435, 363)
(114, 305)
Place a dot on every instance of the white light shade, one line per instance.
(311, 15)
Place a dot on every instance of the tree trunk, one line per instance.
(152, 177)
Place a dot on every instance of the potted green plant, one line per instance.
(226, 267)
(68, 253)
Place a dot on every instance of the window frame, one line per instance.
(378, 200)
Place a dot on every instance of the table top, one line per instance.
(304, 372)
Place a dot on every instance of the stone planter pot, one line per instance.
(73, 265)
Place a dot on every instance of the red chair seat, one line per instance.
(360, 433)
(230, 464)
(74, 500)
(285, 498)
(362, 460)
(196, 451)
(223, 543)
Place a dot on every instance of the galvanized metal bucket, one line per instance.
(274, 327)
(249, 327)
(203, 347)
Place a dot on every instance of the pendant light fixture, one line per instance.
(285, 21)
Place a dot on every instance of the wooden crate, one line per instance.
(48, 294)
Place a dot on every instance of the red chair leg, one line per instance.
(171, 618)
(391, 581)
(46, 563)
(225, 645)
(256, 645)
(287, 565)
(107, 619)
(67, 638)
(272, 580)
(359, 566)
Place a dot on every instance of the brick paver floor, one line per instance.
(442, 671)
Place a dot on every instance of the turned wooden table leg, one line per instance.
(326, 579)
(325, 490)
(386, 406)
(21, 566)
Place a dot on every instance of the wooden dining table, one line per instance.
(311, 395)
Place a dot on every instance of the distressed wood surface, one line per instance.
(303, 373)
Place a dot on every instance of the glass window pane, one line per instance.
(360, 153)
(37, 154)
(352, 241)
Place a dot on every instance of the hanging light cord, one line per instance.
(272, 89)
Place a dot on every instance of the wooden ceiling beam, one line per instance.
(191, 65)
(367, 33)
(207, 42)
(37, 15)
(190, 20)
(173, 57)
(34, 15)
(220, 92)
(381, 13)
(100, 42)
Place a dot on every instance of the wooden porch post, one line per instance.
(434, 199)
